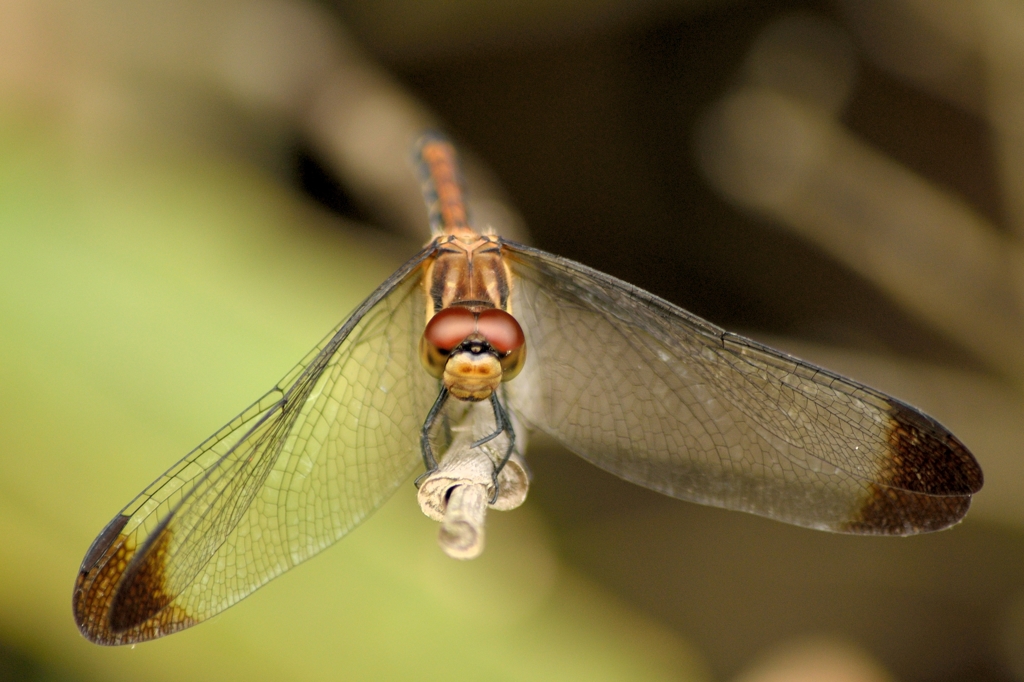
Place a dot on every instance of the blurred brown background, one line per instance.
(191, 193)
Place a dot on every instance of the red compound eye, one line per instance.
(501, 330)
(449, 328)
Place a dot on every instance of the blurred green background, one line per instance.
(191, 194)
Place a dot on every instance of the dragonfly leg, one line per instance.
(499, 425)
(429, 461)
(502, 425)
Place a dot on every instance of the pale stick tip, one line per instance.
(462, 530)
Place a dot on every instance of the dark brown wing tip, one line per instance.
(119, 599)
(925, 484)
(926, 458)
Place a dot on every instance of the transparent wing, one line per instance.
(288, 477)
(662, 398)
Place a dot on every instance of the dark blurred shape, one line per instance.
(320, 184)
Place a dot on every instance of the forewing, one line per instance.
(282, 481)
(662, 398)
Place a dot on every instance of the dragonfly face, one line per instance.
(626, 380)
(473, 351)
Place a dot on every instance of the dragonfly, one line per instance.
(626, 380)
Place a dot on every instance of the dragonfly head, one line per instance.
(473, 351)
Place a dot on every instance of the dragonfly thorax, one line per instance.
(472, 350)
